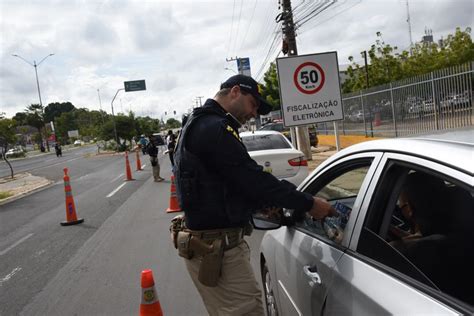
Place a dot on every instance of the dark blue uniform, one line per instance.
(218, 184)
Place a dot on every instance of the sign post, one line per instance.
(129, 86)
(310, 89)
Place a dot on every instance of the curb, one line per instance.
(22, 195)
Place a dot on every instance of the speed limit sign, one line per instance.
(309, 89)
(309, 78)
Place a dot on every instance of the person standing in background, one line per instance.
(152, 151)
(171, 142)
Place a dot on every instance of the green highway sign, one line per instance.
(136, 85)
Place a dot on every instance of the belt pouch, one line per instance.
(211, 265)
(183, 245)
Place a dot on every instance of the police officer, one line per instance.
(152, 151)
(218, 187)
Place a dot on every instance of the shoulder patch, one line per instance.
(233, 132)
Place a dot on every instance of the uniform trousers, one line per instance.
(156, 168)
(237, 291)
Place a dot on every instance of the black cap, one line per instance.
(249, 85)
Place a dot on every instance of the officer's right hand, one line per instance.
(321, 209)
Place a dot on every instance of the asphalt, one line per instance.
(24, 184)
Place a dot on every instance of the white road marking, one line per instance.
(116, 178)
(15, 244)
(82, 177)
(9, 276)
(115, 191)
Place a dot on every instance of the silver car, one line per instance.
(403, 242)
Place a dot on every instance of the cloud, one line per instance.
(179, 47)
(98, 33)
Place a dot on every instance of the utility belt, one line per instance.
(208, 244)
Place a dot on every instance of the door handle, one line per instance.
(314, 276)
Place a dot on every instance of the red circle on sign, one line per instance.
(297, 84)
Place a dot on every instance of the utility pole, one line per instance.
(302, 137)
(233, 59)
(409, 28)
(200, 102)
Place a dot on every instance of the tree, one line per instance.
(53, 110)
(386, 65)
(270, 90)
(35, 118)
(21, 118)
(64, 123)
(172, 123)
(147, 125)
(7, 137)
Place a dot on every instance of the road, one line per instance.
(93, 268)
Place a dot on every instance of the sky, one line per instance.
(181, 48)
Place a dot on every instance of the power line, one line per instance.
(329, 18)
(231, 30)
(249, 25)
(238, 26)
(315, 12)
(268, 23)
(271, 50)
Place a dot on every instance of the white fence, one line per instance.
(438, 100)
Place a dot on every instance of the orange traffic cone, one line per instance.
(150, 305)
(174, 204)
(71, 217)
(139, 163)
(128, 171)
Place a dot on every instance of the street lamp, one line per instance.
(34, 64)
(235, 72)
(100, 101)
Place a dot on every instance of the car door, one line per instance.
(376, 277)
(309, 250)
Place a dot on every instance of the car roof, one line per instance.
(453, 147)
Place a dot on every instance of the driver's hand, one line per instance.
(321, 209)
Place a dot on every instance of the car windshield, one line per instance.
(265, 142)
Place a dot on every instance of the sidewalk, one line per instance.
(21, 185)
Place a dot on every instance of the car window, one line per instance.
(265, 142)
(420, 224)
(340, 186)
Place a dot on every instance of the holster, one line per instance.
(183, 242)
(211, 264)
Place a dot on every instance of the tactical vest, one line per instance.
(201, 192)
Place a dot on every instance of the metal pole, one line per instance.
(100, 107)
(336, 134)
(37, 83)
(302, 136)
(393, 111)
(363, 113)
(41, 103)
(113, 119)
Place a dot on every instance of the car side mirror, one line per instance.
(268, 220)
